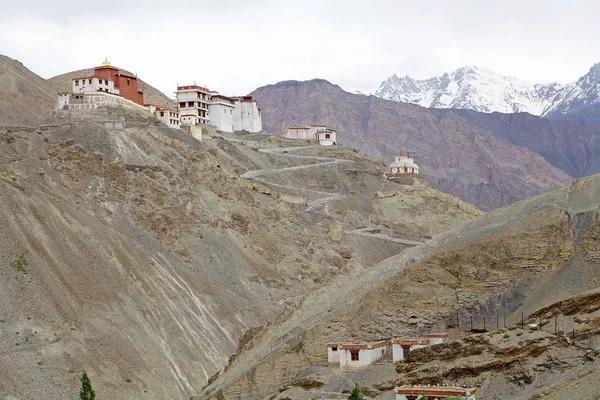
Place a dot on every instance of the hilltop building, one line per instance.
(358, 355)
(193, 101)
(199, 105)
(439, 392)
(401, 347)
(107, 78)
(107, 86)
(247, 116)
(404, 165)
(168, 117)
(221, 111)
(319, 133)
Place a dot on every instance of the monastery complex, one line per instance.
(195, 105)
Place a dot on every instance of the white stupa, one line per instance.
(404, 165)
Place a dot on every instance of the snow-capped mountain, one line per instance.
(482, 90)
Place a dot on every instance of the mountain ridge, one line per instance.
(455, 155)
(483, 90)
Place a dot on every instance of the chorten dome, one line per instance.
(404, 165)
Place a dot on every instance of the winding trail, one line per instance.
(315, 198)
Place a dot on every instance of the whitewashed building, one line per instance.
(319, 133)
(168, 117)
(326, 137)
(401, 347)
(221, 112)
(247, 116)
(333, 353)
(358, 355)
(94, 84)
(440, 392)
(193, 101)
(404, 165)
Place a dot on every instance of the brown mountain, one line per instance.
(454, 154)
(571, 146)
(24, 96)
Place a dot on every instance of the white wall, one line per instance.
(303, 134)
(333, 356)
(321, 137)
(63, 100)
(96, 85)
(221, 116)
(247, 117)
(365, 357)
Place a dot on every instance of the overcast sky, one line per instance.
(236, 46)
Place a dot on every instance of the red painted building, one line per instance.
(124, 85)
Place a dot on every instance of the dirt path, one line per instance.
(368, 232)
(315, 199)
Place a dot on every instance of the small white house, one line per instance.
(333, 353)
(358, 355)
(401, 347)
(404, 165)
(167, 117)
(319, 133)
(326, 138)
(440, 392)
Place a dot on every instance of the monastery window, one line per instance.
(90, 81)
(190, 104)
(327, 136)
(354, 355)
(128, 82)
(182, 104)
(76, 83)
(162, 113)
(333, 348)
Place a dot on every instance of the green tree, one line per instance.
(86, 392)
(356, 394)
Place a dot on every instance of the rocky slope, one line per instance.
(455, 155)
(482, 90)
(538, 257)
(25, 97)
(141, 255)
(571, 146)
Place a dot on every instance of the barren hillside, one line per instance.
(25, 97)
(144, 257)
(520, 259)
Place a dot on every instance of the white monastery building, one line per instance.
(168, 117)
(199, 105)
(360, 355)
(220, 112)
(404, 165)
(430, 392)
(193, 101)
(247, 116)
(319, 133)
(401, 347)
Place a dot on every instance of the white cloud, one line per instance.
(236, 46)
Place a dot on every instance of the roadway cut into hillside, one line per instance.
(316, 200)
